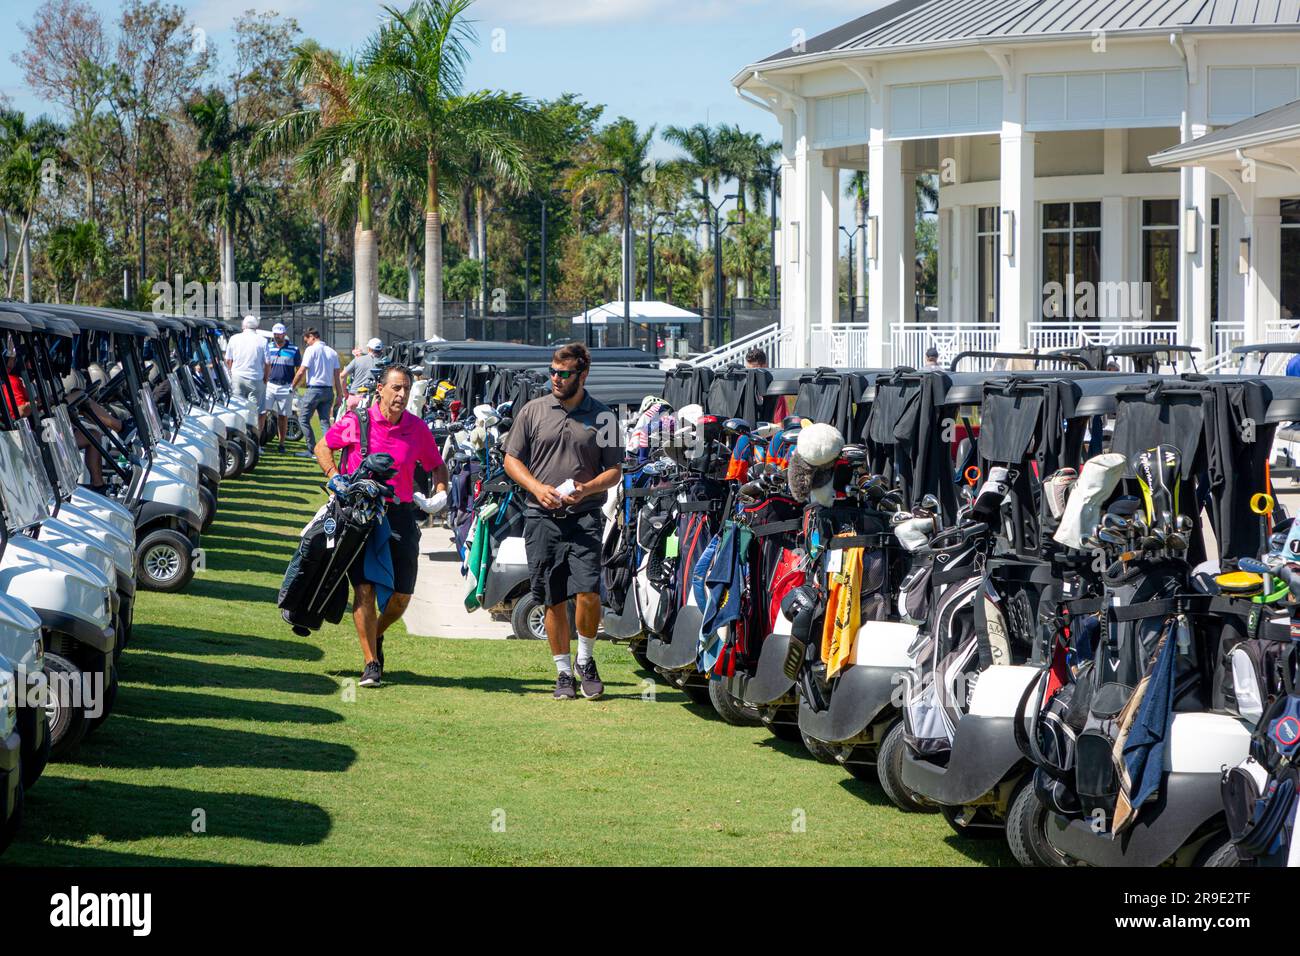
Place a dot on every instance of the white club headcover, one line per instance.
(1097, 480)
(819, 444)
(914, 533)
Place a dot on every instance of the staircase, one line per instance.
(777, 342)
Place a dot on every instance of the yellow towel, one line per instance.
(843, 612)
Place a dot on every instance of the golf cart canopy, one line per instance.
(102, 320)
(1283, 399)
(11, 320)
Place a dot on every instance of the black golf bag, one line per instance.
(315, 587)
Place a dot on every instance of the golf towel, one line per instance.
(719, 586)
(843, 612)
(378, 562)
(1140, 752)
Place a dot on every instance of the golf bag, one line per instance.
(315, 587)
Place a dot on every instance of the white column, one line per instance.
(1114, 214)
(908, 295)
(1195, 250)
(1264, 279)
(828, 199)
(1232, 225)
(888, 207)
(1018, 298)
(946, 273)
(960, 266)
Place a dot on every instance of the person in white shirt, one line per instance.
(250, 366)
(320, 372)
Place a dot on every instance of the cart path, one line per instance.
(437, 608)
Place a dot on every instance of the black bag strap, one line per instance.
(363, 427)
(777, 527)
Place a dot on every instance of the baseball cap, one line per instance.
(375, 345)
(278, 329)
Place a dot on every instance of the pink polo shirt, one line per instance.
(409, 441)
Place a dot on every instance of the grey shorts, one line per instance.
(249, 388)
(563, 555)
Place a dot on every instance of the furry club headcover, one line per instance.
(812, 464)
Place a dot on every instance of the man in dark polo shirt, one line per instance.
(565, 450)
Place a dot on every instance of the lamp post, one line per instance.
(851, 233)
(144, 262)
(718, 230)
(771, 238)
(628, 252)
(545, 198)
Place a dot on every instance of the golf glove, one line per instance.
(337, 485)
(433, 505)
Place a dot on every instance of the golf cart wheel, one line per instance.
(820, 752)
(695, 692)
(1225, 854)
(1026, 829)
(207, 507)
(638, 649)
(889, 771)
(110, 699)
(528, 619)
(980, 826)
(67, 723)
(252, 455)
(789, 732)
(232, 465)
(731, 710)
(164, 561)
(9, 828)
(293, 430)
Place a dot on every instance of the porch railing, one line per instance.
(777, 342)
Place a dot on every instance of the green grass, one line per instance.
(224, 711)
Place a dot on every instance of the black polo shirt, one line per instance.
(554, 443)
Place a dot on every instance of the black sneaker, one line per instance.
(592, 687)
(373, 675)
(379, 651)
(564, 687)
(281, 449)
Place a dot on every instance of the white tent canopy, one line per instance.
(387, 304)
(660, 313)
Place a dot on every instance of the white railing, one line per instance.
(841, 345)
(777, 342)
(909, 341)
(1045, 336)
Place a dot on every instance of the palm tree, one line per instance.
(703, 161)
(328, 151)
(414, 71)
(26, 151)
(78, 250)
(221, 197)
(622, 147)
(857, 191)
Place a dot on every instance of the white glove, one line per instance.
(431, 506)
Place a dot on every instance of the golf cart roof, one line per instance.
(44, 321)
(623, 385)
(1149, 348)
(1281, 347)
(1094, 392)
(101, 320)
(785, 381)
(1284, 398)
(10, 319)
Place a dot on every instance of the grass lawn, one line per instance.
(227, 719)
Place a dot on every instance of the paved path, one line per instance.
(438, 606)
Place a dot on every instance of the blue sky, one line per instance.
(658, 61)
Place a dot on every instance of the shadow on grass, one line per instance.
(130, 742)
(869, 791)
(72, 811)
(210, 587)
(182, 705)
(159, 670)
(192, 640)
(991, 850)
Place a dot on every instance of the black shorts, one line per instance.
(563, 555)
(404, 546)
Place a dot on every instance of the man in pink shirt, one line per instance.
(393, 431)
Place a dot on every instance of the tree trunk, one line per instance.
(432, 254)
(76, 288)
(471, 230)
(229, 293)
(23, 258)
(365, 292)
(480, 227)
(27, 261)
(412, 276)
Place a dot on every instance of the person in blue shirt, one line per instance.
(285, 358)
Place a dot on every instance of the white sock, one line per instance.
(585, 646)
(562, 664)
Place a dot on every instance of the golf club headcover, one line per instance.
(819, 444)
(1056, 489)
(914, 533)
(1097, 482)
(1157, 470)
(994, 491)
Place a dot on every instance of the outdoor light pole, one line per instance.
(851, 233)
(719, 295)
(771, 238)
(628, 252)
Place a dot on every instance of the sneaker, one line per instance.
(379, 651)
(592, 687)
(564, 687)
(373, 675)
(281, 449)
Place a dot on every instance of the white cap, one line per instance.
(375, 345)
(251, 322)
(278, 329)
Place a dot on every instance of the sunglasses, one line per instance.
(564, 374)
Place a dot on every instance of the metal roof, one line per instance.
(909, 23)
(1279, 123)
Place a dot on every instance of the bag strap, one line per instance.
(363, 427)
